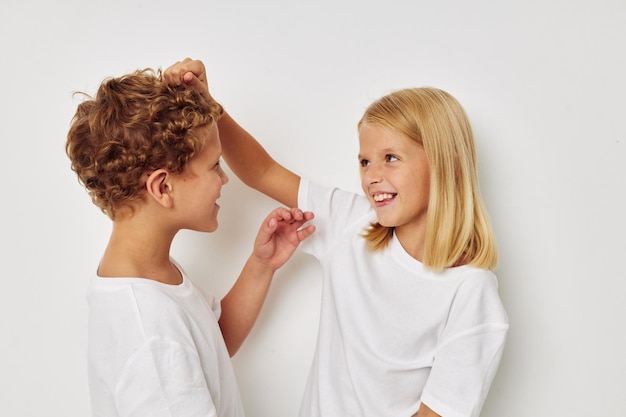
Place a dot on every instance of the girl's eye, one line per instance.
(364, 163)
(391, 158)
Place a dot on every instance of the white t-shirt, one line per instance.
(393, 333)
(157, 350)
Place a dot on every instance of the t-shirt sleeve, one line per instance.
(334, 209)
(469, 350)
(164, 379)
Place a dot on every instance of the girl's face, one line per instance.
(395, 177)
(200, 184)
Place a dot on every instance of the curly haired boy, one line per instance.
(149, 156)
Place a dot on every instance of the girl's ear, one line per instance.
(159, 187)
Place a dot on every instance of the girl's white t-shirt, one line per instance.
(156, 350)
(392, 333)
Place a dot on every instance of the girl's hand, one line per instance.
(279, 236)
(188, 72)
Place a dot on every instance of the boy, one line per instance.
(148, 154)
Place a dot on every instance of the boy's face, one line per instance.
(395, 178)
(198, 187)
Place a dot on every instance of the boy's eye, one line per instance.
(364, 162)
(391, 158)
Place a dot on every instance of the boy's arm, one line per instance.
(242, 305)
(243, 154)
(279, 236)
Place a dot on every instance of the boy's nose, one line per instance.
(224, 178)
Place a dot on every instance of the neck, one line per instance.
(139, 249)
(412, 241)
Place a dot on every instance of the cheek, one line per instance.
(365, 187)
(426, 183)
(363, 184)
(422, 177)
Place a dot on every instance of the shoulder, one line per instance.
(477, 279)
(129, 290)
(150, 304)
(477, 296)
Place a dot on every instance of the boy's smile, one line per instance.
(202, 182)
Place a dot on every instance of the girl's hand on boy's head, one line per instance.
(188, 72)
(279, 236)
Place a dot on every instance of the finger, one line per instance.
(189, 79)
(175, 74)
(194, 66)
(305, 232)
(193, 81)
(283, 214)
(297, 214)
(266, 231)
(301, 216)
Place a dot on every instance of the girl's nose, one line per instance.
(372, 175)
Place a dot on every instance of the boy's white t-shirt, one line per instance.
(157, 350)
(392, 333)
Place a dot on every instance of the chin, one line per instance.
(209, 228)
(386, 222)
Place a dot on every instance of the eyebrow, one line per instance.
(386, 151)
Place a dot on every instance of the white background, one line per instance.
(543, 83)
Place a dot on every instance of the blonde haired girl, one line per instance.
(411, 321)
(459, 230)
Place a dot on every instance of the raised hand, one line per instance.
(280, 234)
(188, 72)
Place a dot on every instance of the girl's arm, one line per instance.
(243, 154)
(279, 236)
(425, 411)
(254, 166)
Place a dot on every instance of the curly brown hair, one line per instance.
(135, 124)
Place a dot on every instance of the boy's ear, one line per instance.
(159, 187)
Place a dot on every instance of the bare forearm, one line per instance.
(243, 303)
(254, 166)
(243, 154)
(425, 411)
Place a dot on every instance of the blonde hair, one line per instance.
(458, 230)
(135, 124)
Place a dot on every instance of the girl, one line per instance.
(411, 320)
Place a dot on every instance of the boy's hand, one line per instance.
(280, 235)
(188, 72)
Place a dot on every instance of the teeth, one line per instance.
(382, 196)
